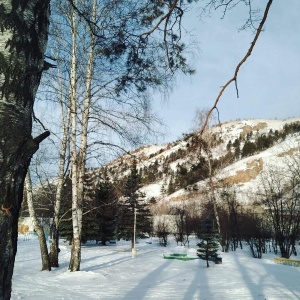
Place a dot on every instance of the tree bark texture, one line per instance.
(23, 37)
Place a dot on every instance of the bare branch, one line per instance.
(234, 78)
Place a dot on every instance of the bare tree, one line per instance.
(118, 72)
(254, 229)
(280, 194)
(162, 230)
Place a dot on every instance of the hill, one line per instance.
(232, 154)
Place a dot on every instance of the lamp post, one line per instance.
(133, 250)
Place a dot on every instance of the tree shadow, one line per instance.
(148, 282)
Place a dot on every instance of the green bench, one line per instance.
(287, 261)
(179, 256)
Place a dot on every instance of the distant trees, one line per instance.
(255, 230)
(280, 193)
(229, 219)
(249, 149)
(162, 231)
(251, 144)
(186, 222)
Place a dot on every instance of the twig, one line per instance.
(234, 78)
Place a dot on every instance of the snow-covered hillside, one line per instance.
(160, 164)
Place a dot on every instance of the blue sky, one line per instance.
(269, 81)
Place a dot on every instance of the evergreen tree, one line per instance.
(163, 187)
(229, 145)
(209, 244)
(171, 187)
(133, 203)
(236, 146)
(106, 201)
(248, 149)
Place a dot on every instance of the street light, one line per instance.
(133, 250)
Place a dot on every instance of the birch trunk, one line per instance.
(37, 225)
(54, 248)
(76, 207)
(21, 65)
(80, 159)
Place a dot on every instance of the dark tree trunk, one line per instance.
(23, 36)
(54, 249)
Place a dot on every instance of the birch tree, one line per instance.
(38, 228)
(65, 123)
(150, 48)
(23, 38)
(115, 82)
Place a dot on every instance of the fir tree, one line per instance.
(248, 149)
(209, 244)
(171, 187)
(133, 201)
(229, 145)
(106, 200)
(236, 146)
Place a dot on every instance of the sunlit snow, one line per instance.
(109, 272)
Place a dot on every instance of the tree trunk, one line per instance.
(37, 226)
(54, 248)
(76, 207)
(78, 159)
(21, 65)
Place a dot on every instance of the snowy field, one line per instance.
(109, 272)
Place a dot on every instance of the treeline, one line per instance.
(269, 222)
(189, 172)
(252, 143)
(108, 208)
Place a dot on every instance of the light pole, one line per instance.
(133, 250)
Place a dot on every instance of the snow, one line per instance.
(109, 272)
(152, 190)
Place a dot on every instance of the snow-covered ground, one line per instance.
(109, 272)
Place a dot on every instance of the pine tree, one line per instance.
(209, 244)
(171, 187)
(248, 149)
(229, 145)
(106, 200)
(236, 146)
(133, 200)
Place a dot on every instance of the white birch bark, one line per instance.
(79, 160)
(36, 224)
(76, 207)
(65, 123)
